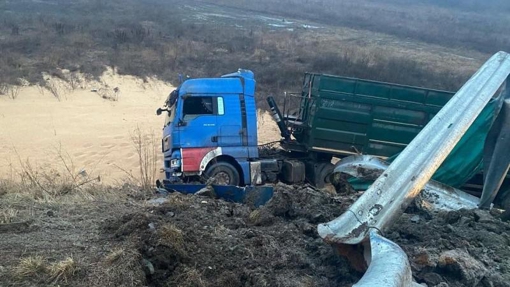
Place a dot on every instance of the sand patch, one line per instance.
(267, 129)
(90, 125)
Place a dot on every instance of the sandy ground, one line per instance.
(267, 129)
(90, 132)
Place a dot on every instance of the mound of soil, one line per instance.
(460, 248)
(188, 240)
(200, 241)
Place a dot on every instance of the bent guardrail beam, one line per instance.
(391, 193)
(437, 195)
(389, 259)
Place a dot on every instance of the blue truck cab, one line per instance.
(211, 130)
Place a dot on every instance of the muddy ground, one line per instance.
(462, 248)
(200, 241)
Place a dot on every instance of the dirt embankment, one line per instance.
(187, 240)
(462, 248)
(199, 241)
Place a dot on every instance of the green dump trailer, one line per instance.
(340, 116)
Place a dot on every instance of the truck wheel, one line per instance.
(324, 173)
(223, 173)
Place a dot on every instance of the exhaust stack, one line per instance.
(277, 116)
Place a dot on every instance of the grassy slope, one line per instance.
(157, 37)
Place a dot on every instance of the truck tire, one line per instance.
(324, 172)
(224, 174)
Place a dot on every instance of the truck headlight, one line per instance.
(174, 163)
(166, 143)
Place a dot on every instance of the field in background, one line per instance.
(419, 44)
(464, 25)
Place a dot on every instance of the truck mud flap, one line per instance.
(253, 195)
(389, 196)
(434, 196)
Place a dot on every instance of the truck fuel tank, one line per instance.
(293, 171)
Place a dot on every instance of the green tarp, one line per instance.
(465, 160)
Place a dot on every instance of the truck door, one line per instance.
(197, 126)
(230, 123)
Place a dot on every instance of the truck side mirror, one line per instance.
(160, 111)
(182, 123)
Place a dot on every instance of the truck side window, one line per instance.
(197, 106)
(221, 107)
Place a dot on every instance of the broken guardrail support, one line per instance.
(496, 157)
(388, 197)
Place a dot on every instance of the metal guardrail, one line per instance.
(437, 195)
(391, 193)
(389, 260)
(388, 197)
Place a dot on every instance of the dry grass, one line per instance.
(177, 201)
(169, 235)
(59, 214)
(260, 217)
(190, 277)
(63, 271)
(229, 279)
(32, 267)
(146, 146)
(255, 216)
(50, 183)
(306, 282)
(55, 90)
(4, 188)
(8, 215)
(36, 268)
(115, 255)
(109, 94)
(13, 92)
(120, 267)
